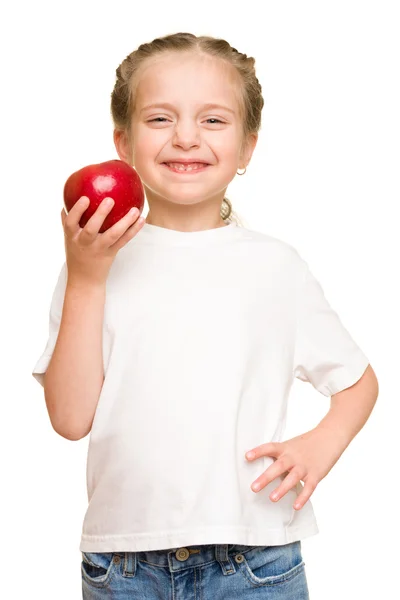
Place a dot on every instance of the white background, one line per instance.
(324, 178)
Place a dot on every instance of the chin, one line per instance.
(179, 196)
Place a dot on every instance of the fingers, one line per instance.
(277, 468)
(293, 477)
(124, 230)
(305, 494)
(287, 484)
(71, 220)
(270, 448)
(92, 227)
(115, 237)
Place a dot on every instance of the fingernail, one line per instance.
(256, 486)
(108, 201)
(250, 454)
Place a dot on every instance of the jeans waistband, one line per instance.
(188, 556)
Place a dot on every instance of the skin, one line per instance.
(186, 129)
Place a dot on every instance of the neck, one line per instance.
(197, 216)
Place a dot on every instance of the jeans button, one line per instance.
(182, 554)
(239, 558)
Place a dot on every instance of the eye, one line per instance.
(163, 119)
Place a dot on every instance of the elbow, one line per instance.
(372, 379)
(66, 420)
(69, 432)
(66, 427)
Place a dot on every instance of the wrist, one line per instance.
(85, 285)
(332, 433)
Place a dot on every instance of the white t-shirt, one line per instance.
(203, 334)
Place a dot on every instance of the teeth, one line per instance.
(182, 167)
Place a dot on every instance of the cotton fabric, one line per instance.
(203, 335)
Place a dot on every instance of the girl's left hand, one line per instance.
(308, 457)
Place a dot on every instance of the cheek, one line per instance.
(147, 151)
(225, 145)
(147, 144)
(149, 141)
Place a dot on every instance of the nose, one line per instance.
(186, 135)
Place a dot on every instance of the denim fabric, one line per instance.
(209, 572)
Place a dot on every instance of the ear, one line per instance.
(247, 150)
(123, 146)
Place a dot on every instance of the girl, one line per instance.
(174, 341)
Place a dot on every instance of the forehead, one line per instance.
(186, 78)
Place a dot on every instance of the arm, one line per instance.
(350, 409)
(75, 374)
(74, 377)
(310, 456)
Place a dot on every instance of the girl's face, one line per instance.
(187, 107)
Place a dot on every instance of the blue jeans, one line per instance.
(209, 572)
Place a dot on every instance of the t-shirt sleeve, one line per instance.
(56, 308)
(325, 353)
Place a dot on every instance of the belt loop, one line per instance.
(221, 555)
(129, 569)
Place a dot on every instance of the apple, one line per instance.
(113, 178)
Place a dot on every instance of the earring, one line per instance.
(237, 172)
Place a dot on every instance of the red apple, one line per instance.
(113, 178)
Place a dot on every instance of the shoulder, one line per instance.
(275, 247)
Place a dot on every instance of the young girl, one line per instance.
(175, 341)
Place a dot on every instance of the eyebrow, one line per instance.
(170, 106)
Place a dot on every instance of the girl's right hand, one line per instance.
(90, 254)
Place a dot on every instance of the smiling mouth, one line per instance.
(186, 168)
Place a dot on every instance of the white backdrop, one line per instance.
(324, 178)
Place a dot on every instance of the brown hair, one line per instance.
(251, 100)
